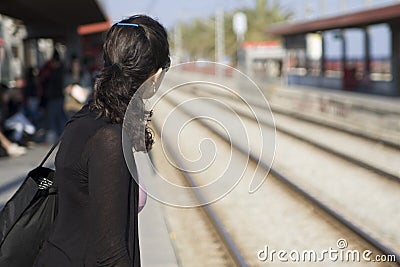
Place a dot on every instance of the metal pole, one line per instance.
(178, 42)
(307, 10)
(322, 7)
(219, 39)
(344, 6)
(368, 3)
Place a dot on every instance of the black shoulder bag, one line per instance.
(27, 218)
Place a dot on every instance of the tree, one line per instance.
(198, 37)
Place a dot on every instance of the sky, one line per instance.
(169, 12)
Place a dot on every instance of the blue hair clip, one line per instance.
(127, 24)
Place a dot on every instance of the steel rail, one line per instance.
(312, 199)
(337, 153)
(224, 236)
(309, 119)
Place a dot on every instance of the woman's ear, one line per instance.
(156, 76)
(153, 84)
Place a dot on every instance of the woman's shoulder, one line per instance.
(86, 125)
(106, 143)
(109, 132)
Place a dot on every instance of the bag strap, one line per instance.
(50, 152)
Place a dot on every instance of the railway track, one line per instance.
(303, 117)
(233, 254)
(343, 220)
(277, 109)
(392, 149)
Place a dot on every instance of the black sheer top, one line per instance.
(97, 222)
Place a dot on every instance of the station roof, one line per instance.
(42, 14)
(387, 14)
(94, 28)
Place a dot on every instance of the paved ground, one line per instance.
(13, 170)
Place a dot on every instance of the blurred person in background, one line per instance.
(97, 221)
(31, 96)
(18, 127)
(52, 81)
(7, 148)
(78, 87)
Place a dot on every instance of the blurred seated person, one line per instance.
(7, 148)
(78, 87)
(16, 125)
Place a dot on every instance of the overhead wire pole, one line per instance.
(307, 10)
(178, 43)
(322, 7)
(368, 3)
(150, 6)
(344, 6)
(240, 28)
(219, 40)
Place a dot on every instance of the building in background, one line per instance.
(12, 34)
(263, 59)
(308, 63)
(38, 27)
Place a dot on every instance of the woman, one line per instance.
(97, 222)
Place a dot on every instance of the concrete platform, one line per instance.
(156, 246)
(13, 170)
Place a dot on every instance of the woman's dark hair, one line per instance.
(134, 49)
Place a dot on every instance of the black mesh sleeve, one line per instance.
(109, 192)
